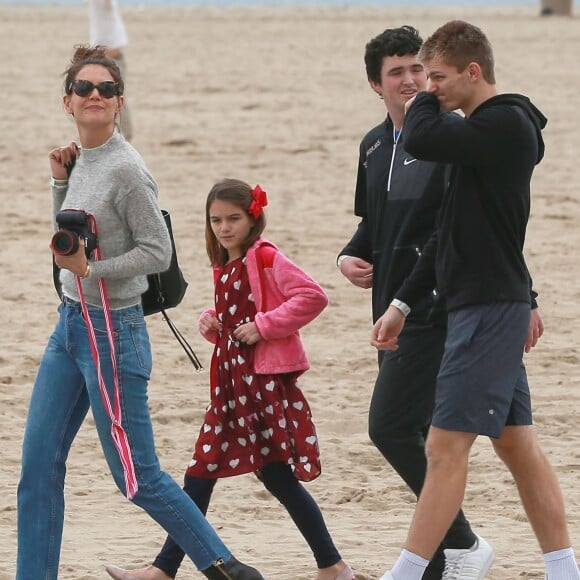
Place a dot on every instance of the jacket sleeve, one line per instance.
(359, 245)
(533, 293)
(422, 278)
(433, 135)
(300, 299)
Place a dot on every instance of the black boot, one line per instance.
(231, 570)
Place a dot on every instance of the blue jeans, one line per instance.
(65, 387)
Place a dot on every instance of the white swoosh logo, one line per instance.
(409, 161)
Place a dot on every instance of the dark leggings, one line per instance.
(399, 417)
(281, 483)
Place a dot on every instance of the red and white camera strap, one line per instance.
(113, 409)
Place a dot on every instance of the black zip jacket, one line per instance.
(476, 255)
(397, 198)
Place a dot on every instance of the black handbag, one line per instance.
(166, 289)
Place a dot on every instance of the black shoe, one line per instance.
(231, 570)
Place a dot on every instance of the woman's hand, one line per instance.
(61, 158)
(77, 263)
(247, 333)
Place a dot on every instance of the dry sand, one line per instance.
(276, 96)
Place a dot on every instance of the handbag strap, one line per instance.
(182, 341)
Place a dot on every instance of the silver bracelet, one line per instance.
(60, 183)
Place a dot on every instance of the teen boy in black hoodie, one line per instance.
(476, 259)
(397, 198)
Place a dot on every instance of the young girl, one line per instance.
(100, 319)
(258, 420)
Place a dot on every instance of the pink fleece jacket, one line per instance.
(286, 299)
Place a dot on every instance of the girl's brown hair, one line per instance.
(238, 193)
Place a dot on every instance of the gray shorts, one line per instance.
(482, 384)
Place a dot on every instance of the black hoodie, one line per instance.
(476, 254)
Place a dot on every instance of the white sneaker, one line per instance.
(387, 576)
(471, 564)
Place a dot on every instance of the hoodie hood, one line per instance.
(534, 114)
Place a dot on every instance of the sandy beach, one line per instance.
(276, 96)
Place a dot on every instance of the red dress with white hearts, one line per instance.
(252, 419)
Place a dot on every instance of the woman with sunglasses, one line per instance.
(99, 355)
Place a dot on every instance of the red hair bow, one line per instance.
(259, 200)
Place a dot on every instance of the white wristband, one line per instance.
(401, 306)
(340, 260)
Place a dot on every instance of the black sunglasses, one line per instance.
(107, 89)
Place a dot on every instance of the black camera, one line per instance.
(73, 225)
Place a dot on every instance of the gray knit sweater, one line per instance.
(112, 183)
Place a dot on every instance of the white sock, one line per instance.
(561, 565)
(409, 566)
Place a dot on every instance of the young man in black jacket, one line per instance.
(476, 260)
(397, 198)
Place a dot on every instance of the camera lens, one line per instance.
(65, 242)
